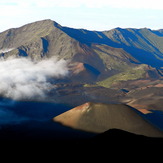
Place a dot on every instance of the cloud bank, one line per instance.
(150, 4)
(21, 78)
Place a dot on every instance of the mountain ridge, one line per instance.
(107, 52)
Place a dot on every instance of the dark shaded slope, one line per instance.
(158, 32)
(143, 44)
(88, 37)
(119, 139)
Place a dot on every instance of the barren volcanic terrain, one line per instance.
(92, 81)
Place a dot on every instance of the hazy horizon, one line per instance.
(92, 15)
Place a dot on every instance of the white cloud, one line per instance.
(23, 79)
(150, 4)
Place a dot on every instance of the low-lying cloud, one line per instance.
(21, 78)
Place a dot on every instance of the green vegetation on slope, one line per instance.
(130, 74)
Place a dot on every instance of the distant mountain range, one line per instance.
(96, 55)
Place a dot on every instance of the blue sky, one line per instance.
(88, 14)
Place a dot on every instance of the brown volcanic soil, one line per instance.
(149, 97)
(147, 94)
(98, 117)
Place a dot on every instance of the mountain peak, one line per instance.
(41, 24)
(16, 37)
